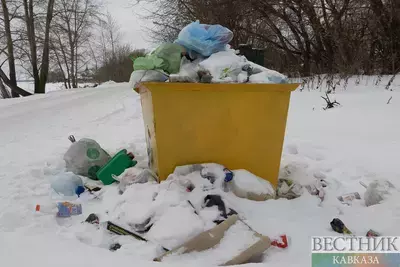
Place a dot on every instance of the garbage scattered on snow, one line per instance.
(92, 219)
(372, 233)
(61, 209)
(135, 176)
(339, 227)
(288, 189)
(316, 189)
(348, 198)
(282, 242)
(199, 195)
(229, 243)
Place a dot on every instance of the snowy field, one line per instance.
(359, 141)
(50, 87)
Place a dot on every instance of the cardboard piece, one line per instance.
(211, 238)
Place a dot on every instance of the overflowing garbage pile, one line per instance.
(201, 54)
(191, 216)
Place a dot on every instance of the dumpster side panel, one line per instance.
(148, 117)
(241, 129)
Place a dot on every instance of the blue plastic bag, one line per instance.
(204, 39)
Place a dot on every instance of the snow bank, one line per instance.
(176, 226)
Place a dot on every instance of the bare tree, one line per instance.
(39, 71)
(4, 93)
(71, 35)
(300, 37)
(11, 80)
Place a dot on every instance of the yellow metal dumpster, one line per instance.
(240, 126)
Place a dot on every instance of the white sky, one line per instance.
(128, 17)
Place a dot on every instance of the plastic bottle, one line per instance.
(61, 209)
(68, 184)
(228, 180)
(47, 209)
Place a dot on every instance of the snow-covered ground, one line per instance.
(359, 141)
(50, 87)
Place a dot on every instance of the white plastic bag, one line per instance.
(187, 72)
(135, 176)
(224, 66)
(138, 76)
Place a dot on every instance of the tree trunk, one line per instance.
(12, 86)
(30, 27)
(10, 47)
(4, 93)
(44, 70)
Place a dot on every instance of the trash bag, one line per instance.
(247, 185)
(187, 73)
(204, 39)
(166, 57)
(224, 66)
(135, 176)
(85, 157)
(378, 191)
(138, 76)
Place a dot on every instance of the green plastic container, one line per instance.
(117, 165)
